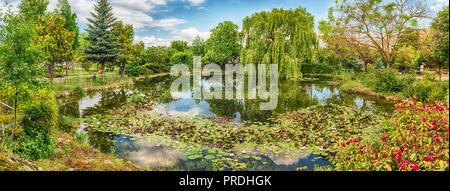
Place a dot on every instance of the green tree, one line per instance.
(54, 40)
(441, 24)
(407, 58)
(332, 34)
(198, 46)
(179, 45)
(223, 44)
(182, 58)
(63, 8)
(32, 9)
(18, 56)
(124, 35)
(381, 25)
(283, 37)
(102, 44)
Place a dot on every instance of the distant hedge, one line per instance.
(319, 68)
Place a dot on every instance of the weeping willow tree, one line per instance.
(283, 37)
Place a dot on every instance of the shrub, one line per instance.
(133, 69)
(78, 90)
(39, 119)
(136, 98)
(417, 139)
(81, 136)
(425, 90)
(100, 82)
(319, 68)
(387, 81)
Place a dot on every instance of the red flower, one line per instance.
(414, 166)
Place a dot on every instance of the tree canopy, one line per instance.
(223, 43)
(54, 40)
(283, 37)
(381, 25)
(124, 35)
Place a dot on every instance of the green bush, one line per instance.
(319, 68)
(388, 81)
(424, 90)
(136, 98)
(133, 69)
(81, 136)
(78, 90)
(100, 82)
(39, 119)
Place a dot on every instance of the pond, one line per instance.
(293, 95)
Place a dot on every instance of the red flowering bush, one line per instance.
(417, 139)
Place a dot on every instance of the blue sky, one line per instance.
(158, 22)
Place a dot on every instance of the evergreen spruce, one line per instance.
(102, 47)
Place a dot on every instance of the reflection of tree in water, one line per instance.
(108, 100)
(69, 107)
(102, 141)
(158, 85)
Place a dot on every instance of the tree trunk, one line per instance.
(365, 66)
(122, 69)
(66, 69)
(388, 64)
(440, 73)
(15, 115)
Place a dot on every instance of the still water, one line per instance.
(293, 96)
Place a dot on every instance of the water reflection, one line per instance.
(293, 96)
(154, 156)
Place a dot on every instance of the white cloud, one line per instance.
(188, 34)
(196, 2)
(152, 41)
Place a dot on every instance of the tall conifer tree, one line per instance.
(102, 44)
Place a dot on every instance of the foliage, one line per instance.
(133, 69)
(63, 8)
(417, 139)
(54, 40)
(157, 58)
(223, 44)
(40, 118)
(424, 90)
(18, 57)
(179, 45)
(136, 98)
(124, 35)
(68, 124)
(319, 68)
(102, 46)
(182, 58)
(441, 25)
(289, 40)
(395, 18)
(387, 81)
(407, 58)
(198, 47)
(78, 90)
(31, 10)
